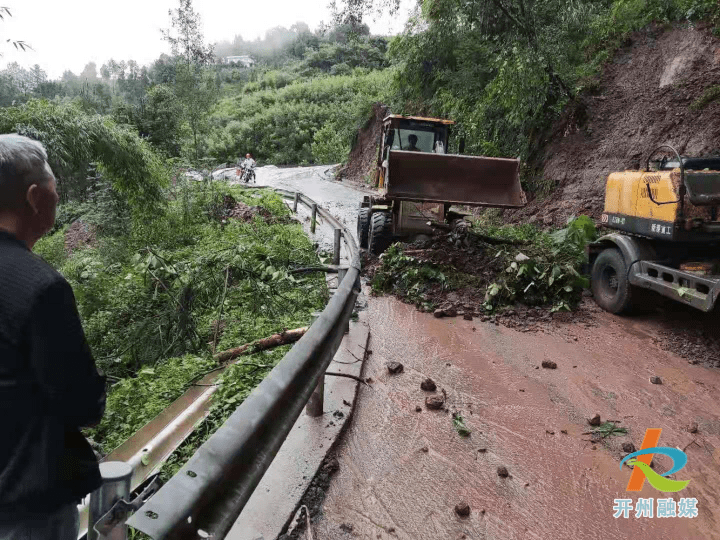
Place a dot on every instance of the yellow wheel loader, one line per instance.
(418, 181)
(668, 238)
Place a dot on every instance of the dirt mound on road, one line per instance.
(651, 93)
(361, 161)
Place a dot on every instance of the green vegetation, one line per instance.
(550, 272)
(78, 142)
(459, 425)
(712, 93)
(608, 429)
(154, 300)
(506, 69)
(306, 122)
(540, 269)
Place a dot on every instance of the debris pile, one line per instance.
(520, 277)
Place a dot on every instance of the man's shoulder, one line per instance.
(25, 270)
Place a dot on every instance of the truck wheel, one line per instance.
(363, 227)
(609, 282)
(380, 232)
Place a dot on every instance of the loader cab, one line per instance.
(431, 135)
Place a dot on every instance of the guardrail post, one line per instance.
(295, 201)
(341, 275)
(336, 249)
(313, 218)
(314, 406)
(116, 485)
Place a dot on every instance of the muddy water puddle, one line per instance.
(529, 419)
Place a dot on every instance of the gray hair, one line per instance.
(23, 162)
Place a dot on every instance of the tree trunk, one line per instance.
(283, 338)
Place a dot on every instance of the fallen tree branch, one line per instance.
(283, 338)
(309, 269)
(487, 239)
(347, 375)
(222, 304)
(496, 241)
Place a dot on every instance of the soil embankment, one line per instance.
(649, 94)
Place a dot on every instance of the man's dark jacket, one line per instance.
(49, 388)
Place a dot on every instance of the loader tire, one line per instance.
(609, 282)
(363, 227)
(380, 232)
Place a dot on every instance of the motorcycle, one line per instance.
(248, 174)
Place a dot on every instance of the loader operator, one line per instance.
(413, 139)
(49, 385)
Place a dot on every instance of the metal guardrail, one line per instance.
(208, 494)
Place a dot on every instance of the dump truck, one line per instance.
(418, 181)
(668, 234)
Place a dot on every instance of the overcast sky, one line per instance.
(67, 34)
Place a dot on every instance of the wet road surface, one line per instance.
(531, 420)
(317, 183)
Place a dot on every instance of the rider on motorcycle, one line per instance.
(247, 168)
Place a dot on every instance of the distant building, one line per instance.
(245, 61)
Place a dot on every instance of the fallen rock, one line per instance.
(655, 379)
(549, 364)
(439, 313)
(693, 428)
(418, 409)
(595, 420)
(503, 472)
(482, 450)
(462, 509)
(425, 449)
(450, 312)
(435, 402)
(346, 527)
(428, 385)
(394, 367)
(468, 316)
(628, 447)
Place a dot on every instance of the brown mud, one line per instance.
(402, 473)
(79, 235)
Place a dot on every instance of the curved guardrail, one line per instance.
(211, 489)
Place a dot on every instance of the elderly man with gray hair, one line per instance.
(49, 384)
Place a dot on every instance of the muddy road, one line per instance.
(404, 468)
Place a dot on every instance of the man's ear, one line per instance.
(32, 197)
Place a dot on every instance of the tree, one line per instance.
(185, 37)
(89, 73)
(195, 86)
(18, 44)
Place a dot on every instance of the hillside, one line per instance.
(656, 90)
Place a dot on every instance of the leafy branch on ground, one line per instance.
(459, 425)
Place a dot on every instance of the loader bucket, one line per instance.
(455, 179)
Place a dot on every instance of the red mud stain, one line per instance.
(559, 487)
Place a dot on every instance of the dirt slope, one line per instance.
(643, 100)
(361, 161)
